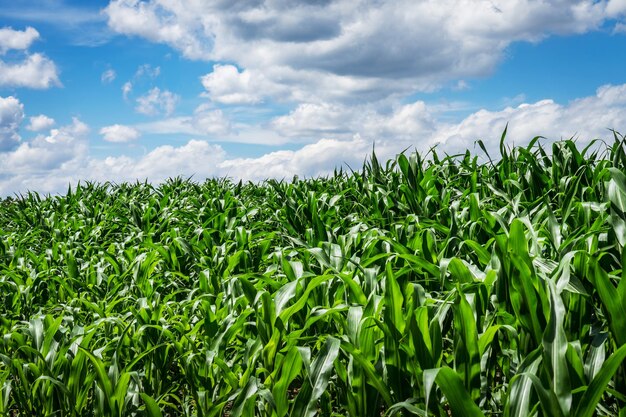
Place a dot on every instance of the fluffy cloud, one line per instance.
(119, 133)
(311, 120)
(11, 116)
(174, 25)
(48, 162)
(205, 121)
(319, 158)
(415, 126)
(226, 84)
(586, 118)
(36, 71)
(108, 76)
(47, 152)
(616, 8)
(195, 158)
(43, 163)
(156, 102)
(346, 134)
(349, 49)
(16, 39)
(40, 122)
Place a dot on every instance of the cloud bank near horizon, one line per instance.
(278, 88)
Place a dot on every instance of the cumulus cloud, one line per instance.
(344, 133)
(36, 71)
(585, 118)
(226, 84)
(50, 151)
(108, 76)
(319, 158)
(16, 39)
(173, 25)
(11, 116)
(616, 8)
(415, 126)
(311, 120)
(48, 162)
(43, 163)
(119, 133)
(40, 122)
(196, 158)
(349, 49)
(156, 102)
(205, 121)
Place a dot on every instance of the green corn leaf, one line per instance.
(152, 407)
(555, 349)
(467, 355)
(610, 300)
(374, 378)
(290, 368)
(451, 386)
(597, 387)
(317, 381)
(519, 398)
(547, 398)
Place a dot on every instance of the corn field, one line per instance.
(428, 285)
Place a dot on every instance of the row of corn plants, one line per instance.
(427, 285)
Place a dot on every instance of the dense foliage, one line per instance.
(428, 286)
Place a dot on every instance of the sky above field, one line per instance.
(123, 90)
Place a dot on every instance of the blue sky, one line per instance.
(126, 89)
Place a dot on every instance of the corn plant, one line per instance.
(428, 285)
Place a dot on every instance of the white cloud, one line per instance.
(36, 71)
(108, 76)
(315, 120)
(11, 116)
(119, 133)
(156, 101)
(319, 158)
(148, 71)
(205, 121)
(415, 126)
(143, 71)
(346, 49)
(43, 163)
(46, 153)
(586, 118)
(196, 158)
(126, 89)
(47, 163)
(16, 39)
(40, 122)
(229, 86)
(311, 119)
(616, 8)
(209, 121)
(83, 23)
(348, 132)
(149, 20)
